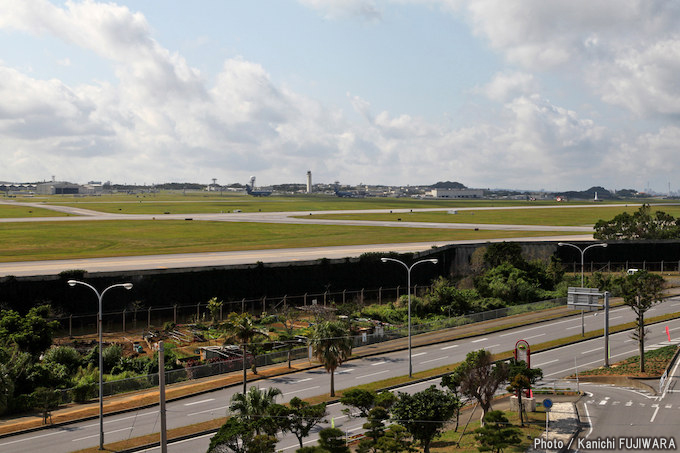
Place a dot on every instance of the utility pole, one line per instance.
(161, 388)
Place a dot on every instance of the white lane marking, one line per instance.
(590, 423)
(420, 353)
(121, 419)
(656, 411)
(533, 336)
(449, 347)
(545, 363)
(303, 390)
(571, 369)
(208, 410)
(481, 339)
(574, 327)
(623, 353)
(372, 374)
(611, 319)
(348, 370)
(200, 402)
(129, 428)
(628, 404)
(32, 437)
(434, 360)
(492, 346)
(309, 379)
(382, 363)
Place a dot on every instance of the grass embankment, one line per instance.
(61, 240)
(560, 216)
(656, 362)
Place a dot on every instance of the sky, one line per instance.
(523, 94)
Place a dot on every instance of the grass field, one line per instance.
(203, 202)
(62, 240)
(7, 211)
(563, 216)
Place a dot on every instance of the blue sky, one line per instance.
(527, 94)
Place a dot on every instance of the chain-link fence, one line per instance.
(381, 333)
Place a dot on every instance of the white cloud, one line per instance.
(334, 9)
(508, 85)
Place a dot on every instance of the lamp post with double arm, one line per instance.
(100, 296)
(408, 272)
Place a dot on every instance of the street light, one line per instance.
(408, 271)
(100, 296)
(583, 252)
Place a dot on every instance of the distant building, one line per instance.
(57, 188)
(457, 193)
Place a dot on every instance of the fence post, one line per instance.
(148, 319)
(644, 265)
(325, 294)
(626, 266)
(123, 320)
(380, 288)
(70, 326)
(221, 313)
(174, 313)
(361, 298)
(661, 265)
(284, 301)
(397, 291)
(264, 304)
(344, 291)
(574, 264)
(243, 305)
(198, 312)
(415, 290)
(609, 266)
(591, 267)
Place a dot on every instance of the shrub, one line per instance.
(64, 355)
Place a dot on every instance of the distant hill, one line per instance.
(589, 194)
(448, 185)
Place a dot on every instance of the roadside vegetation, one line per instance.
(656, 362)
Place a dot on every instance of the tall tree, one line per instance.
(331, 345)
(299, 417)
(640, 292)
(480, 377)
(364, 400)
(642, 224)
(240, 328)
(254, 406)
(31, 333)
(424, 414)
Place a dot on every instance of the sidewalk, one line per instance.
(148, 397)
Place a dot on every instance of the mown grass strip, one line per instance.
(558, 216)
(60, 240)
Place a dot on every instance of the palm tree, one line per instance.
(241, 328)
(253, 407)
(331, 346)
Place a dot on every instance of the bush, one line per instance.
(64, 355)
(83, 392)
(111, 356)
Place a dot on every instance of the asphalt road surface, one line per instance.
(556, 364)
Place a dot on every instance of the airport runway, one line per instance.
(190, 260)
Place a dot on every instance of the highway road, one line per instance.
(556, 364)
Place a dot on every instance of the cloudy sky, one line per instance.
(525, 94)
